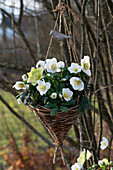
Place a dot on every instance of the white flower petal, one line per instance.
(19, 85)
(81, 87)
(48, 85)
(51, 65)
(88, 155)
(88, 72)
(85, 62)
(104, 143)
(58, 70)
(67, 94)
(43, 87)
(76, 166)
(40, 82)
(100, 162)
(85, 59)
(24, 77)
(74, 68)
(40, 63)
(77, 83)
(60, 64)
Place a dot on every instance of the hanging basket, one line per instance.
(58, 83)
(57, 125)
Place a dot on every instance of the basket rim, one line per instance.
(40, 108)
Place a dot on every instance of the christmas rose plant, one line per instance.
(55, 86)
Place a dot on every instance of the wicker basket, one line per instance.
(57, 125)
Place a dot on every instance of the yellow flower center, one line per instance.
(53, 67)
(42, 87)
(21, 85)
(77, 82)
(104, 143)
(76, 168)
(86, 66)
(66, 95)
(37, 77)
(75, 69)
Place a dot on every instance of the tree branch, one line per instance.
(21, 12)
(25, 122)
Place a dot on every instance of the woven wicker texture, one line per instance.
(57, 125)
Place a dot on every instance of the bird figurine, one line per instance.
(59, 36)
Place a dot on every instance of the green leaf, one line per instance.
(103, 167)
(17, 96)
(54, 111)
(44, 98)
(64, 109)
(56, 74)
(71, 102)
(50, 105)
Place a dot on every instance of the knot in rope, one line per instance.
(60, 7)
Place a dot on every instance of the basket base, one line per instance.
(57, 125)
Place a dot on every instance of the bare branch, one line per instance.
(83, 27)
(22, 35)
(13, 66)
(21, 12)
(25, 122)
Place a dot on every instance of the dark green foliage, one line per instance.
(58, 81)
(70, 103)
(54, 111)
(84, 104)
(64, 109)
(50, 105)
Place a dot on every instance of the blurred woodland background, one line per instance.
(24, 38)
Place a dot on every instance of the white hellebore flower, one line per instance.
(53, 95)
(85, 63)
(60, 65)
(19, 85)
(43, 87)
(100, 162)
(51, 65)
(40, 63)
(24, 77)
(76, 166)
(74, 68)
(104, 143)
(67, 94)
(84, 155)
(88, 154)
(19, 101)
(77, 83)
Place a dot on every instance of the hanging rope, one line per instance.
(51, 37)
(60, 8)
(75, 54)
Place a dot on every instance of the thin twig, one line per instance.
(22, 36)
(83, 28)
(51, 37)
(102, 88)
